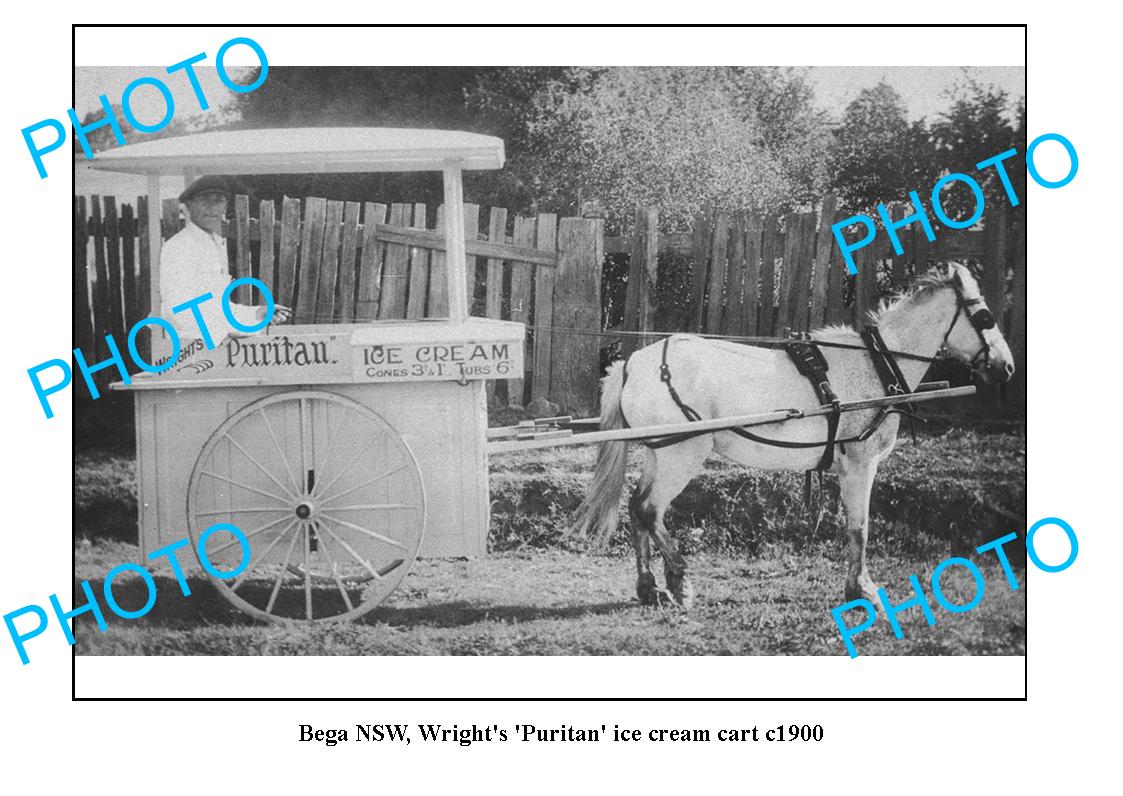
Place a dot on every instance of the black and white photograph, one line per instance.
(539, 399)
(528, 360)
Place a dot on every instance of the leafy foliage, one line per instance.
(879, 156)
(735, 137)
(974, 129)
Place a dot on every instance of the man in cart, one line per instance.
(194, 262)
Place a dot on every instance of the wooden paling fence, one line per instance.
(341, 262)
(761, 275)
(338, 262)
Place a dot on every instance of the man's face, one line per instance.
(207, 211)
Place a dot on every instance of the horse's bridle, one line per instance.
(981, 320)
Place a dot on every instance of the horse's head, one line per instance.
(972, 335)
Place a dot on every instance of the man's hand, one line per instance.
(281, 314)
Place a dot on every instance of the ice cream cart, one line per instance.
(342, 451)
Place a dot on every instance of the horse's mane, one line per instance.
(933, 280)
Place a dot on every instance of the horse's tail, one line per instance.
(600, 511)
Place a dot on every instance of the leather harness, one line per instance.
(811, 363)
(808, 359)
(888, 371)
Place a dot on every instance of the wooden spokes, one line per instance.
(329, 497)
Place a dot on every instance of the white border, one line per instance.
(703, 677)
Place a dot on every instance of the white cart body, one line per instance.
(417, 384)
(439, 414)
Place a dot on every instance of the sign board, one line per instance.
(459, 361)
(351, 353)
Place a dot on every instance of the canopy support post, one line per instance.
(159, 346)
(456, 270)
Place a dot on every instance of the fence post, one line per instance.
(522, 281)
(83, 326)
(144, 275)
(838, 280)
(471, 233)
(576, 367)
(419, 279)
(170, 221)
(101, 282)
(899, 266)
(242, 267)
(804, 255)
(820, 277)
(719, 249)
(643, 265)
(865, 283)
(395, 267)
(128, 266)
(995, 258)
(349, 246)
(769, 245)
(369, 291)
(326, 307)
(700, 254)
(496, 233)
(113, 256)
(735, 278)
(789, 269)
(920, 249)
(545, 279)
(311, 248)
(437, 306)
(285, 287)
(754, 227)
(265, 253)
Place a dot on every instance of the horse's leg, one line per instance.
(856, 483)
(646, 589)
(676, 465)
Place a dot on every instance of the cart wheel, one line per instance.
(329, 497)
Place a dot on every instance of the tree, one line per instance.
(736, 138)
(102, 138)
(974, 128)
(877, 155)
(509, 102)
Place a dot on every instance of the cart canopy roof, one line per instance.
(307, 150)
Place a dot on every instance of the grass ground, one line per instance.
(767, 570)
(566, 603)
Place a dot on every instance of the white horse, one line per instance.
(943, 311)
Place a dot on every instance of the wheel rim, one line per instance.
(329, 497)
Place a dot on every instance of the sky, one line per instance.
(146, 102)
(921, 87)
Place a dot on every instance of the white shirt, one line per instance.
(194, 262)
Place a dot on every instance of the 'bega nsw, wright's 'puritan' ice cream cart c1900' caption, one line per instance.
(342, 451)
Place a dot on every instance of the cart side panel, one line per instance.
(147, 522)
(440, 422)
(183, 424)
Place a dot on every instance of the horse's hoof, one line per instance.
(647, 591)
(862, 592)
(665, 599)
(657, 598)
(684, 594)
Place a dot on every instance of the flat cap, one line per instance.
(208, 184)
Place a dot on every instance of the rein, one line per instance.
(692, 416)
(811, 365)
(981, 320)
